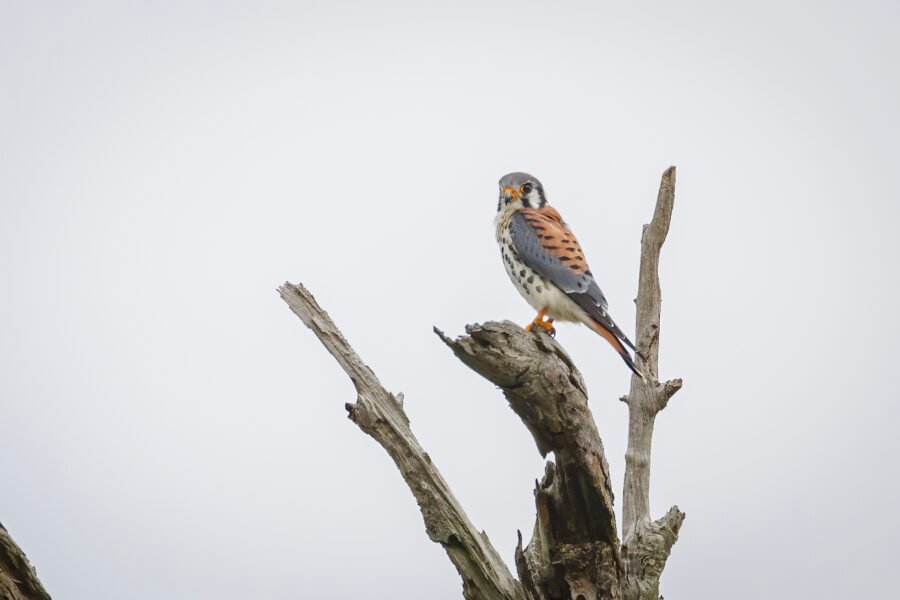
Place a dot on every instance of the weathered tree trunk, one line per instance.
(18, 579)
(574, 550)
(646, 545)
(574, 553)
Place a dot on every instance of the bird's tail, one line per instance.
(613, 337)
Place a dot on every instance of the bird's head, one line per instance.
(520, 190)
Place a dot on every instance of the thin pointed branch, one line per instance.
(380, 414)
(646, 545)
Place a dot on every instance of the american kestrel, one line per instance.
(547, 265)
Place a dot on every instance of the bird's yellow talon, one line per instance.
(545, 325)
(540, 322)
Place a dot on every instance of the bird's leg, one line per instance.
(540, 322)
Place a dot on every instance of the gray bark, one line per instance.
(18, 579)
(574, 552)
(380, 414)
(646, 544)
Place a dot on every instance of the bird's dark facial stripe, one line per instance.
(533, 197)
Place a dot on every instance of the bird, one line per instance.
(547, 265)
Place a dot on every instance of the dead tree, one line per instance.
(18, 579)
(575, 551)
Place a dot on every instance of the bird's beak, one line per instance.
(510, 193)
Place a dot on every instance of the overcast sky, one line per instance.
(170, 430)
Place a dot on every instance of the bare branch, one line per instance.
(649, 297)
(646, 545)
(380, 414)
(575, 548)
(18, 579)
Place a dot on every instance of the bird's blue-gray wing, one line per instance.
(547, 245)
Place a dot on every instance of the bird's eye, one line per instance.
(526, 189)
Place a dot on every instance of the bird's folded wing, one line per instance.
(546, 244)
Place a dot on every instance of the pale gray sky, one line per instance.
(169, 428)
